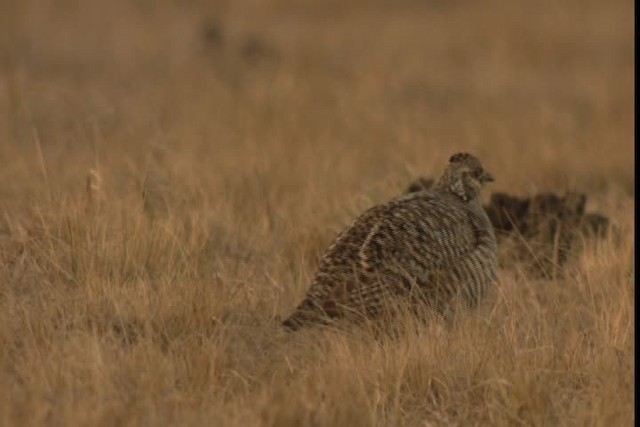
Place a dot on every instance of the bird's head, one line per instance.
(464, 176)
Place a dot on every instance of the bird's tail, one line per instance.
(291, 324)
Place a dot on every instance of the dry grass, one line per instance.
(169, 176)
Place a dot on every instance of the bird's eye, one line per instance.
(477, 173)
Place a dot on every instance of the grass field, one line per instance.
(170, 174)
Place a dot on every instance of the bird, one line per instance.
(431, 248)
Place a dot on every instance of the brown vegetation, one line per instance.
(170, 174)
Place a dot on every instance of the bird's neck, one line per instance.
(456, 187)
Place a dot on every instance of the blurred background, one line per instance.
(359, 95)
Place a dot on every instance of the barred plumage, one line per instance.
(430, 246)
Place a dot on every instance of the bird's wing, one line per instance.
(420, 233)
(341, 264)
(438, 248)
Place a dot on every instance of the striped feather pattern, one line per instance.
(432, 246)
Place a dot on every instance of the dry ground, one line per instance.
(170, 173)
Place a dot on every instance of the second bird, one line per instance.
(433, 248)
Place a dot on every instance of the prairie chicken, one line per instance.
(432, 247)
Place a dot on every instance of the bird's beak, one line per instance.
(486, 177)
